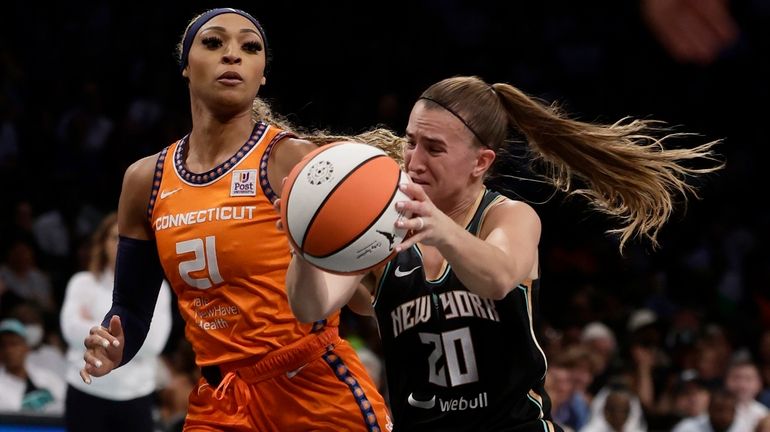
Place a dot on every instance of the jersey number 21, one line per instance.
(205, 258)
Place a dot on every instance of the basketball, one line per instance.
(339, 207)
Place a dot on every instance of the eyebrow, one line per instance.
(436, 142)
(428, 139)
(222, 29)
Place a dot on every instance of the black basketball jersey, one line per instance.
(456, 361)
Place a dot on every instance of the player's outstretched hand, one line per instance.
(104, 350)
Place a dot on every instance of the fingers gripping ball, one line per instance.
(339, 207)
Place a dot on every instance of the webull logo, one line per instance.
(462, 404)
(457, 404)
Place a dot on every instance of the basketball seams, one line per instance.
(350, 261)
(373, 220)
(304, 207)
(286, 192)
(339, 210)
(329, 195)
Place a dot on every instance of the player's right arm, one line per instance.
(138, 277)
(315, 294)
(134, 199)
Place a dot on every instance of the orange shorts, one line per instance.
(315, 384)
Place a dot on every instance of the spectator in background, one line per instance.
(62, 230)
(559, 387)
(650, 363)
(600, 340)
(690, 395)
(721, 416)
(14, 227)
(743, 380)
(716, 336)
(681, 338)
(44, 340)
(643, 328)
(616, 409)
(22, 276)
(713, 352)
(583, 365)
(25, 388)
(122, 400)
(763, 364)
(569, 408)
(684, 396)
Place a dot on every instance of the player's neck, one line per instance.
(462, 211)
(213, 140)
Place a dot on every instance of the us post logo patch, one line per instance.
(244, 183)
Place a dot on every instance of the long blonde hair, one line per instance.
(623, 168)
(379, 137)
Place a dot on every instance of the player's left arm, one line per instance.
(504, 254)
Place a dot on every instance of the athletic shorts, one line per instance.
(316, 384)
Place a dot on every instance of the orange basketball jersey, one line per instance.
(222, 253)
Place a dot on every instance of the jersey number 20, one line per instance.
(457, 349)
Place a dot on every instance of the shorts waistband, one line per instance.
(274, 363)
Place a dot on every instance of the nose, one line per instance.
(414, 160)
(231, 57)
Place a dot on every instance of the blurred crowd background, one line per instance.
(649, 339)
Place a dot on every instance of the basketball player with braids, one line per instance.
(457, 306)
(200, 212)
